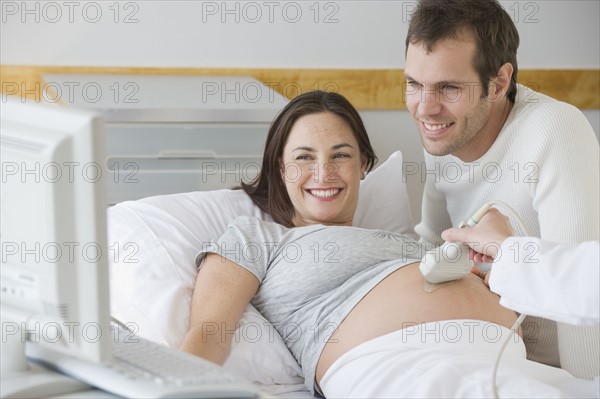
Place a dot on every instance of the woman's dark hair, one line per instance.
(496, 35)
(268, 189)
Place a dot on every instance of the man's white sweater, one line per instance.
(545, 165)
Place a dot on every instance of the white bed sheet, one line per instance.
(448, 359)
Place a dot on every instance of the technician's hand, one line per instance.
(485, 237)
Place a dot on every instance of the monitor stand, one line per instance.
(22, 379)
(38, 382)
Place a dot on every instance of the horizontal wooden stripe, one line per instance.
(365, 88)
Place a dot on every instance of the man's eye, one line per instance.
(450, 92)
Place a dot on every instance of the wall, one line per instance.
(278, 34)
(273, 34)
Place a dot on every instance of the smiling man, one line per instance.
(454, 112)
(488, 138)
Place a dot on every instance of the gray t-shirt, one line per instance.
(311, 277)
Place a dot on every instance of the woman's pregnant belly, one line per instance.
(404, 299)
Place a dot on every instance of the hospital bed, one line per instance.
(153, 243)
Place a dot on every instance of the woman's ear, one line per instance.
(501, 83)
(363, 167)
(281, 169)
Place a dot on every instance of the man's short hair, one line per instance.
(496, 36)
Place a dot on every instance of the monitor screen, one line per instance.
(54, 271)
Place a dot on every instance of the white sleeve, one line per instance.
(533, 277)
(563, 173)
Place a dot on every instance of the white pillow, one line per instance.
(383, 200)
(153, 243)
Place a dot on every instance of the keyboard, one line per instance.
(143, 369)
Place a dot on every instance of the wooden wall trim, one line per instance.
(366, 88)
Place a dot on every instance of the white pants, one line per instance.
(452, 359)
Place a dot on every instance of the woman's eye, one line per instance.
(341, 155)
(341, 158)
(303, 158)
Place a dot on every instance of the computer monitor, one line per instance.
(54, 273)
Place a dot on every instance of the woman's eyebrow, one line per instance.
(341, 145)
(334, 147)
(309, 149)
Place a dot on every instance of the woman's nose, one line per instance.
(324, 171)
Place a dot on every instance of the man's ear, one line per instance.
(501, 83)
